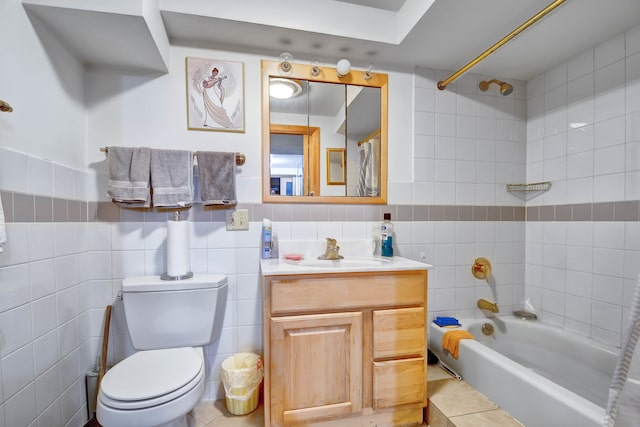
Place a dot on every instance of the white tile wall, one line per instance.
(600, 258)
(468, 143)
(28, 174)
(42, 367)
(591, 272)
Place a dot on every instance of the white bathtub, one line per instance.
(542, 375)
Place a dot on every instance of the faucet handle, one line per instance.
(481, 269)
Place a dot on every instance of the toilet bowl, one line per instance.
(152, 388)
(169, 322)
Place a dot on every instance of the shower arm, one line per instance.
(484, 85)
(444, 83)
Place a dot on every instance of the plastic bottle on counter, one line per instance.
(275, 252)
(377, 241)
(386, 229)
(266, 239)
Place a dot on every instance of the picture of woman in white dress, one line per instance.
(215, 100)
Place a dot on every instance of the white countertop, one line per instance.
(275, 267)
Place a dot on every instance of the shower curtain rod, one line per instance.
(362, 141)
(240, 158)
(443, 83)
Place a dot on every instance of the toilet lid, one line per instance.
(151, 373)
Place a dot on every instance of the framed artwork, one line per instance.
(215, 95)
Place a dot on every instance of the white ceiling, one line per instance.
(393, 5)
(392, 34)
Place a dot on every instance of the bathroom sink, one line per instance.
(310, 264)
(342, 263)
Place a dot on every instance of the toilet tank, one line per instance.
(174, 313)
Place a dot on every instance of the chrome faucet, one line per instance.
(331, 252)
(487, 305)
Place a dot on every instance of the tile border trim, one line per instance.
(20, 207)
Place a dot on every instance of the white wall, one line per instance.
(584, 136)
(46, 342)
(39, 79)
(151, 111)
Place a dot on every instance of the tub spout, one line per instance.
(487, 305)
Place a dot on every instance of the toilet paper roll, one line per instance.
(178, 248)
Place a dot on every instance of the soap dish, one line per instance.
(293, 257)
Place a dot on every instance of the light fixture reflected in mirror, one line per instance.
(284, 88)
(343, 67)
(285, 61)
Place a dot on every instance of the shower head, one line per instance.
(505, 88)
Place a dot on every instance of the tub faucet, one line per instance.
(332, 250)
(487, 305)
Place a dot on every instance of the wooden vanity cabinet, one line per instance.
(348, 346)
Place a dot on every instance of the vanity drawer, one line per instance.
(398, 333)
(347, 291)
(399, 382)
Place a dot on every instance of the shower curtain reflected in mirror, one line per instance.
(369, 173)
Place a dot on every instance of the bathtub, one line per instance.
(540, 374)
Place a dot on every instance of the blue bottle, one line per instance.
(266, 239)
(386, 229)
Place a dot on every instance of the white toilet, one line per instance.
(169, 322)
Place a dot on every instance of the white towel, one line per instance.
(364, 173)
(375, 166)
(368, 176)
(3, 228)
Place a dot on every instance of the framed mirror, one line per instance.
(344, 117)
(335, 166)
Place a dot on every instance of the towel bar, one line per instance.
(240, 158)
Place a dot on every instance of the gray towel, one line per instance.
(172, 178)
(129, 175)
(217, 173)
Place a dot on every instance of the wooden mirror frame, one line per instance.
(326, 75)
(341, 152)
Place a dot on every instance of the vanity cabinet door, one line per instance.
(398, 382)
(316, 367)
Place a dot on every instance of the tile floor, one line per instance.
(452, 403)
(215, 414)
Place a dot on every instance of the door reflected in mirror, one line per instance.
(344, 117)
(293, 160)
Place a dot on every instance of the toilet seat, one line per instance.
(152, 377)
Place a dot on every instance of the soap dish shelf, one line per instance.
(529, 190)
